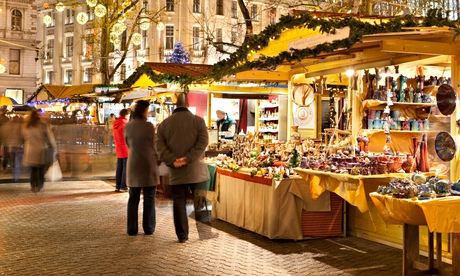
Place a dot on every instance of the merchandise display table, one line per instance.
(347, 186)
(440, 215)
(272, 208)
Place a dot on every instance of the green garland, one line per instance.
(238, 61)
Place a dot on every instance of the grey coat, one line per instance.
(184, 135)
(141, 168)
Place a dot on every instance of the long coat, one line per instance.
(142, 168)
(184, 135)
(118, 137)
(36, 139)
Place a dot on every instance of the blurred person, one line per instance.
(109, 126)
(142, 169)
(13, 140)
(121, 150)
(39, 145)
(3, 120)
(225, 125)
(181, 143)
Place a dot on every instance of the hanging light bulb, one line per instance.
(60, 7)
(91, 3)
(47, 20)
(100, 10)
(82, 18)
(136, 39)
(160, 26)
(2, 69)
(144, 24)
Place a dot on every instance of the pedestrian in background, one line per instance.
(182, 141)
(13, 140)
(121, 150)
(39, 149)
(142, 171)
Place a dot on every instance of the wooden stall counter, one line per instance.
(276, 209)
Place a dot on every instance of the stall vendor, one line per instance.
(225, 125)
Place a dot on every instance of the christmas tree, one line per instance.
(179, 55)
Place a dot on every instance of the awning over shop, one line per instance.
(50, 92)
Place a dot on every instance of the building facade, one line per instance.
(18, 28)
(67, 56)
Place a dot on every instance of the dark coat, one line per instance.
(184, 135)
(142, 167)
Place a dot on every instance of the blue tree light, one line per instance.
(179, 54)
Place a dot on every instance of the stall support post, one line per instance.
(456, 253)
(410, 247)
(208, 119)
(290, 109)
(455, 69)
(439, 251)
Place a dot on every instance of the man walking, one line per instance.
(182, 141)
(121, 150)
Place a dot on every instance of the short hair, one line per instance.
(139, 109)
(123, 112)
(182, 100)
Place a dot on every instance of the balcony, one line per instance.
(197, 53)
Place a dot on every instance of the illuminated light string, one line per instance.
(46, 102)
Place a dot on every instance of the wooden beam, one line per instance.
(259, 75)
(419, 47)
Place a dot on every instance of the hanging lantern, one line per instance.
(82, 18)
(60, 7)
(91, 3)
(136, 39)
(100, 10)
(144, 24)
(160, 26)
(2, 69)
(118, 28)
(47, 19)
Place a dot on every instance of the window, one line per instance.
(16, 20)
(234, 36)
(144, 43)
(50, 48)
(69, 46)
(88, 46)
(254, 13)
(15, 62)
(196, 38)
(219, 44)
(169, 37)
(169, 5)
(90, 13)
(123, 43)
(69, 15)
(88, 75)
(234, 9)
(196, 6)
(123, 72)
(273, 16)
(145, 5)
(220, 7)
(68, 76)
(15, 94)
(49, 77)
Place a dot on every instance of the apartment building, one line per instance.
(67, 55)
(18, 28)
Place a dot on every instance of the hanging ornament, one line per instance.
(118, 28)
(160, 26)
(144, 24)
(60, 7)
(91, 3)
(47, 20)
(82, 18)
(100, 10)
(2, 69)
(136, 39)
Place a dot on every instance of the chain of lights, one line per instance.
(65, 101)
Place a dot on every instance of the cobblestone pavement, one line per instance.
(78, 228)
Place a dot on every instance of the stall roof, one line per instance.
(193, 70)
(63, 91)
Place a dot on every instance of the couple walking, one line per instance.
(180, 142)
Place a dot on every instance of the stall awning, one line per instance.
(48, 92)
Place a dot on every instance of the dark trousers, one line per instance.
(179, 194)
(121, 173)
(148, 216)
(37, 178)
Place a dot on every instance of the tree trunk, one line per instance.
(104, 58)
(247, 19)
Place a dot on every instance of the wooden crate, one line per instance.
(324, 224)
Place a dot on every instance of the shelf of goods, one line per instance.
(268, 119)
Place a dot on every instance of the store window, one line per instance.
(68, 76)
(169, 37)
(69, 46)
(196, 6)
(16, 94)
(50, 48)
(16, 20)
(49, 77)
(234, 9)
(170, 5)
(219, 45)
(69, 16)
(88, 75)
(196, 38)
(15, 62)
(220, 7)
(254, 13)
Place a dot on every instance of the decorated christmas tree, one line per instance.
(179, 55)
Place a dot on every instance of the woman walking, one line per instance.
(39, 149)
(142, 170)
